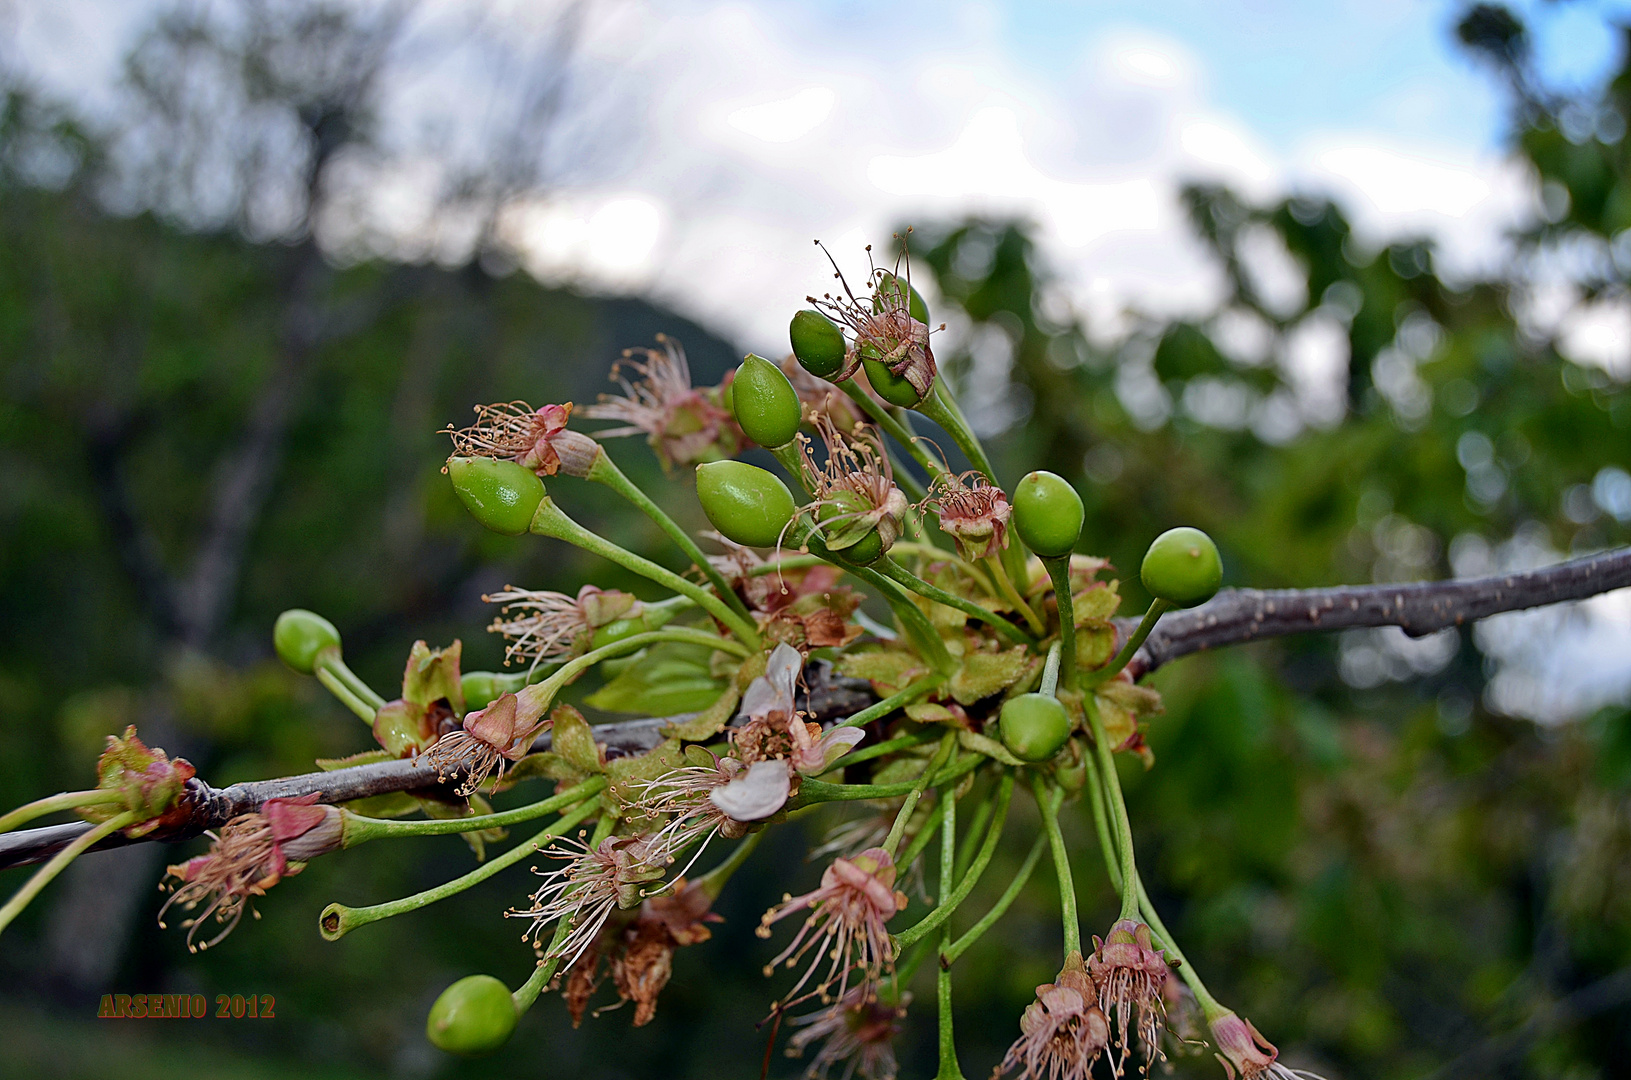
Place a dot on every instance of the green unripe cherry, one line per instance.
(893, 388)
(1034, 727)
(1182, 567)
(1047, 514)
(765, 403)
(476, 1015)
(299, 635)
(818, 344)
(889, 287)
(862, 551)
(744, 502)
(500, 494)
(480, 689)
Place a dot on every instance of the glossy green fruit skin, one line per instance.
(500, 494)
(744, 502)
(891, 387)
(299, 635)
(1047, 514)
(476, 1015)
(818, 344)
(890, 285)
(480, 688)
(1182, 567)
(1034, 727)
(865, 551)
(765, 403)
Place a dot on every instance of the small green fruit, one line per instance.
(1047, 514)
(817, 343)
(480, 689)
(851, 539)
(765, 403)
(500, 494)
(476, 1015)
(744, 502)
(889, 287)
(299, 635)
(895, 389)
(1034, 726)
(1182, 567)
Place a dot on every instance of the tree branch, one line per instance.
(1239, 615)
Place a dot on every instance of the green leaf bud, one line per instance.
(1047, 514)
(895, 389)
(299, 635)
(1034, 727)
(818, 344)
(476, 1015)
(744, 502)
(765, 403)
(500, 494)
(1182, 567)
(887, 294)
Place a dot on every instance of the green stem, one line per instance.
(950, 900)
(1110, 784)
(59, 862)
(949, 1069)
(916, 624)
(949, 955)
(528, 992)
(1059, 573)
(713, 882)
(792, 462)
(338, 920)
(972, 835)
(605, 471)
(1005, 584)
(1107, 844)
(67, 800)
(331, 660)
(897, 573)
(1061, 865)
(878, 710)
(551, 520)
(920, 841)
(343, 693)
(1124, 657)
(941, 407)
(817, 791)
(894, 428)
(889, 746)
(938, 554)
(1209, 1004)
(947, 744)
(789, 562)
(357, 829)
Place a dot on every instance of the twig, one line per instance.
(1239, 615)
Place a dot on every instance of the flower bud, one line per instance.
(476, 1015)
(895, 389)
(745, 503)
(1182, 567)
(764, 403)
(817, 343)
(1034, 726)
(887, 295)
(500, 494)
(1047, 514)
(299, 635)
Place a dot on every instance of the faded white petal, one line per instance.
(835, 743)
(773, 691)
(756, 794)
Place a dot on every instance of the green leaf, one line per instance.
(984, 674)
(673, 678)
(572, 740)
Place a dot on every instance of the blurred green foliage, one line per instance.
(1388, 878)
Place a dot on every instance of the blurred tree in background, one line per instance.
(1408, 857)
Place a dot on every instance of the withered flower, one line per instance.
(684, 425)
(149, 783)
(972, 511)
(489, 737)
(859, 1032)
(882, 324)
(1062, 1032)
(544, 625)
(1244, 1052)
(251, 853)
(854, 488)
(536, 439)
(1130, 973)
(646, 960)
(584, 892)
(846, 929)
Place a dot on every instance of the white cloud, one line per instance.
(787, 119)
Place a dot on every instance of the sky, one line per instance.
(741, 132)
